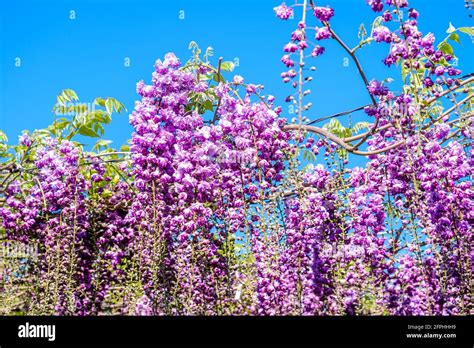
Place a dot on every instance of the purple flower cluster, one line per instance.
(191, 176)
(324, 14)
(283, 12)
(376, 88)
(382, 33)
(81, 242)
(322, 33)
(299, 39)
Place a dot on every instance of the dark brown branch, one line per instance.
(354, 58)
(361, 73)
(364, 78)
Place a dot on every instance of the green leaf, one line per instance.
(207, 105)
(98, 128)
(99, 116)
(215, 77)
(227, 66)
(101, 144)
(3, 137)
(109, 106)
(71, 94)
(88, 132)
(309, 156)
(451, 29)
(377, 22)
(336, 128)
(78, 120)
(99, 101)
(455, 37)
(61, 123)
(3, 145)
(445, 48)
(66, 95)
(359, 126)
(467, 30)
(119, 107)
(41, 133)
(125, 147)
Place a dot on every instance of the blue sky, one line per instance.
(87, 53)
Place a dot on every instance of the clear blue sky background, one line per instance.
(87, 54)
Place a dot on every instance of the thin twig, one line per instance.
(340, 141)
(442, 94)
(214, 119)
(336, 115)
(110, 154)
(447, 112)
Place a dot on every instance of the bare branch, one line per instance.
(460, 118)
(340, 141)
(336, 115)
(361, 73)
(447, 112)
(442, 94)
(110, 154)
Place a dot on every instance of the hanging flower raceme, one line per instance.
(54, 216)
(195, 183)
